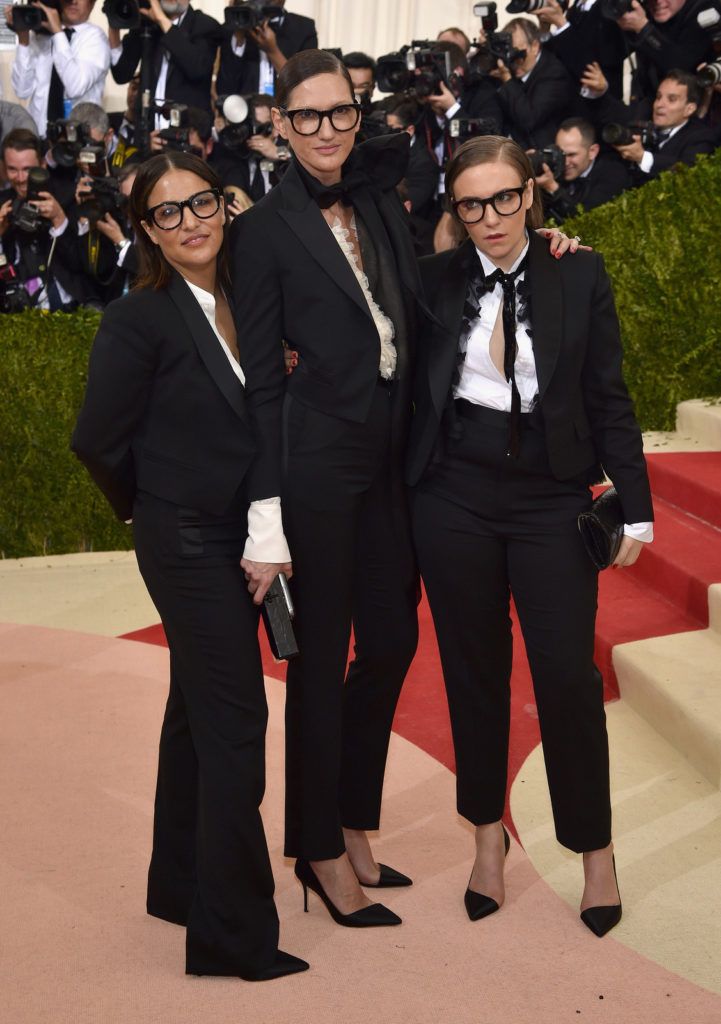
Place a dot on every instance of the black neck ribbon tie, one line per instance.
(510, 349)
(379, 164)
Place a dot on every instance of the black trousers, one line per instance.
(210, 868)
(344, 507)
(485, 527)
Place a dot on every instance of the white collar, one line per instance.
(524, 78)
(585, 174)
(206, 300)
(489, 266)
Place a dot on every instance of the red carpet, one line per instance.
(666, 592)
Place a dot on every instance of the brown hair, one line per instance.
(304, 65)
(155, 271)
(491, 149)
(20, 139)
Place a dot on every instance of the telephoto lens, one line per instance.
(616, 135)
(710, 75)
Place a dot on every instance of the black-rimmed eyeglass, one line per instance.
(168, 216)
(306, 121)
(508, 201)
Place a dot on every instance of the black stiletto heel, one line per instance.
(602, 919)
(477, 904)
(374, 916)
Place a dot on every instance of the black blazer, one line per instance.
(240, 74)
(163, 411)
(587, 413)
(192, 46)
(292, 282)
(535, 108)
(591, 37)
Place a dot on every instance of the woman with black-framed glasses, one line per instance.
(520, 406)
(167, 436)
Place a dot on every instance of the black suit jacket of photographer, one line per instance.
(587, 413)
(677, 43)
(591, 37)
(688, 142)
(240, 74)
(191, 47)
(161, 396)
(608, 178)
(535, 108)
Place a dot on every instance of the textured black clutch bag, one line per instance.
(602, 528)
(277, 609)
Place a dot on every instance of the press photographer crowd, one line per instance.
(554, 79)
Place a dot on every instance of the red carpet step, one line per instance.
(689, 480)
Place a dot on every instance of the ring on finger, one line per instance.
(576, 238)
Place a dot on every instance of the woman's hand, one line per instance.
(561, 243)
(628, 552)
(291, 358)
(260, 575)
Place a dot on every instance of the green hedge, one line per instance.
(661, 246)
(48, 504)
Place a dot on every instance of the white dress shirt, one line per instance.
(266, 71)
(266, 541)
(82, 64)
(482, 383)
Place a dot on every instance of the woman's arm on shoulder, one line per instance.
(120, 373)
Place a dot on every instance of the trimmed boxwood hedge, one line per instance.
(661, 246)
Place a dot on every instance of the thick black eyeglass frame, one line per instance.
(180, 206)
(322, 114)
(490, 201)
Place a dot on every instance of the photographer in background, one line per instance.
(248, 154)
(457, 36)
(589, 178)
(421, 177)
(537, 92)
(474, 95)
(31, 223)
(362, 71)
(184, 53)
(67, 65)
(667, 35)
(580, 35)
(674, 135)
(250, 61)
(194, 135)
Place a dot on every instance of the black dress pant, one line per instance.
(485, 527)
(210, 868)
(345, 514)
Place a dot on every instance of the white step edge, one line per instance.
(698, 419)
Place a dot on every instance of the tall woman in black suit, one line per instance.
(165, 433)
(520, 405)
(325, 262)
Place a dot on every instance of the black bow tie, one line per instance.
(378, 164)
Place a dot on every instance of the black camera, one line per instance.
(104, 197)
(67, 139)
(531, 6)
(417, 69)
(498, 45)
(463, 128)
(249, 14)
(30, 18)
(710, 75)
(241, 124)
(13, 296)
(124, 13)
(552, 156)
(622, 134)
(23, 215)
(615, 9)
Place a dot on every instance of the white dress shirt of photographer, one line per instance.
(82, 61)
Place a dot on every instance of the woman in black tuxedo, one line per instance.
(520, 406)
(325, 262)
(165, 433)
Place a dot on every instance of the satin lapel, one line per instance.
(546, 308)
(215, 359)
(303, 217)
(449, 315)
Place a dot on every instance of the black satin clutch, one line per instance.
(602, 528)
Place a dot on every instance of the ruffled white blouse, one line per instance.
(383, 323)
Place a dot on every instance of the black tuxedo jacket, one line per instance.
(587, 413)
(163, 411)
(191, 46)
(607, 179)
(535, 108)
(292, 283)
(679, 42)
(240, 74)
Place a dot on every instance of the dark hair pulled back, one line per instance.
(304, 65)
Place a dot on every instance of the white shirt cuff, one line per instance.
(57, 232)
(639, 531)
(266, 541)
(646, 162)
(557, 29)
(123, 252)
(115, 54)
(452, 111)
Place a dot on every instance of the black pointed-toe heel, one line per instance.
(374, 916)
(389, 879)
(602, 919)
(478, 905)
(285, 963)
